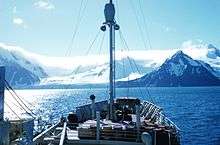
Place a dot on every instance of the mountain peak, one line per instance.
(179, 54)
(181, 58)
(179, 63)
(179, 70)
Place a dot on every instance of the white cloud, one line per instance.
(45, 5)
(19, 22)
(194, 44)
(197, 49)
(150, 58)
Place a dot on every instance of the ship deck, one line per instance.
(73, 139)
(102, 131)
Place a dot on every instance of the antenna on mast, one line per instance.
(109, 12)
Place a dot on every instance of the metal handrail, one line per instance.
(38, 139)
(63, 135)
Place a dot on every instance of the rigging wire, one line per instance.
(142, 34)
(16, 105)
(93, 42)
(75, 29)
(12, 110)
(118, 16)
(87, 52)
(9, 88)
(145, 23)
(101, 44)
(24, 100)
(132, 67)
(81, 13)
(99, 51)
(79, 19)
(138, 23)
(21, 103)
(124, 74)
(101, 47)
(126, 47)
(29, 103)
(146, 26)
(20, 106)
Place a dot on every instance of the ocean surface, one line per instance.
(196, 111)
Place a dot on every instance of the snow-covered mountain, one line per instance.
(20, 71)
(94, 68)
(205, 52)
(146, 61)
(179, 70)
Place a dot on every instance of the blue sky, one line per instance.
(46, 26)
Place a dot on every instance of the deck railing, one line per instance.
(150, 111)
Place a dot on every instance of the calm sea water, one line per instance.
(196, 111)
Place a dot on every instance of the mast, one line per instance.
(109, 12)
